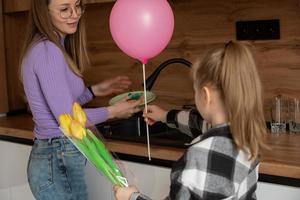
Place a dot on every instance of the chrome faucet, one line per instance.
(152, 78)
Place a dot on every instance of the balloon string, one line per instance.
(146, 110)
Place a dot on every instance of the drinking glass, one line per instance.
(294, 115)
(279, 112)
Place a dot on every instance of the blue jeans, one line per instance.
(56, 170)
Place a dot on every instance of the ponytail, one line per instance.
(232, 70)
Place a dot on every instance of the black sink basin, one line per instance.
(134, 129)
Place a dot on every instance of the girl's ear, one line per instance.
(207, 95)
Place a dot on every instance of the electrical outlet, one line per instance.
(258, 30)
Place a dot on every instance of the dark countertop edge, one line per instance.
(16, 140)
(168, 163)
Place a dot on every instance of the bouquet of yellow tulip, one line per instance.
(89, 145)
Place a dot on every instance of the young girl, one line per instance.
(52, 64)
(222, 163)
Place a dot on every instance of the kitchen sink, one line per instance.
(134, 129)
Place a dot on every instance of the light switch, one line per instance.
(258, 30)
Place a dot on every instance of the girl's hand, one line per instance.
(154, 114)
(124, 108)
(110, 86)
(124, 193)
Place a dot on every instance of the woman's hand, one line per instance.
(124, 193)
(110, 86)
(124, 108)
(154, 114)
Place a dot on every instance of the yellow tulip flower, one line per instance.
(65, 122)
(77, 130)
(79, 114)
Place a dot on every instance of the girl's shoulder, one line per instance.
(215, 143)
(219, 148)
(219, 139)
(211, 146)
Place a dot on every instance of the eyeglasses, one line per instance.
(67, 12)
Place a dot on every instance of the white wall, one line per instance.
(13, 165)
(151, 180)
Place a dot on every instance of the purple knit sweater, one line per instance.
(51, 88)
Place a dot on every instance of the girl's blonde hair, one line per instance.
(232, 70)
(41, 28)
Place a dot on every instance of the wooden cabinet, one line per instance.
(11, 6)
(3, 86)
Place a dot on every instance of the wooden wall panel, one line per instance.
(199, 25)
(108, 61)
(16, 5)
(15, 29)
(3, 86)
(12, 6)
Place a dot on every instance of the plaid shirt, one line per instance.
(212, 167)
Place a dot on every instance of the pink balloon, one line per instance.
(142, 28)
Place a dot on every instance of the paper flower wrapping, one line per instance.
(74, 127)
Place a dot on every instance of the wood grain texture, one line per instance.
(199, 25)
(20, 126)
(283, 158)
(15, 29)
(97, 1)
(12, 6)
(3, 85)
(284, 154)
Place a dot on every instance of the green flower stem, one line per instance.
(106, 155)
(81, 147)
(99, 162)
(96, 162)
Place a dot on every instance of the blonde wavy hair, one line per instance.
(232, 70)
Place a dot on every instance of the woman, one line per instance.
(53, 60)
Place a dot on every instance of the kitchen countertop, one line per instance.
(282, 160)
